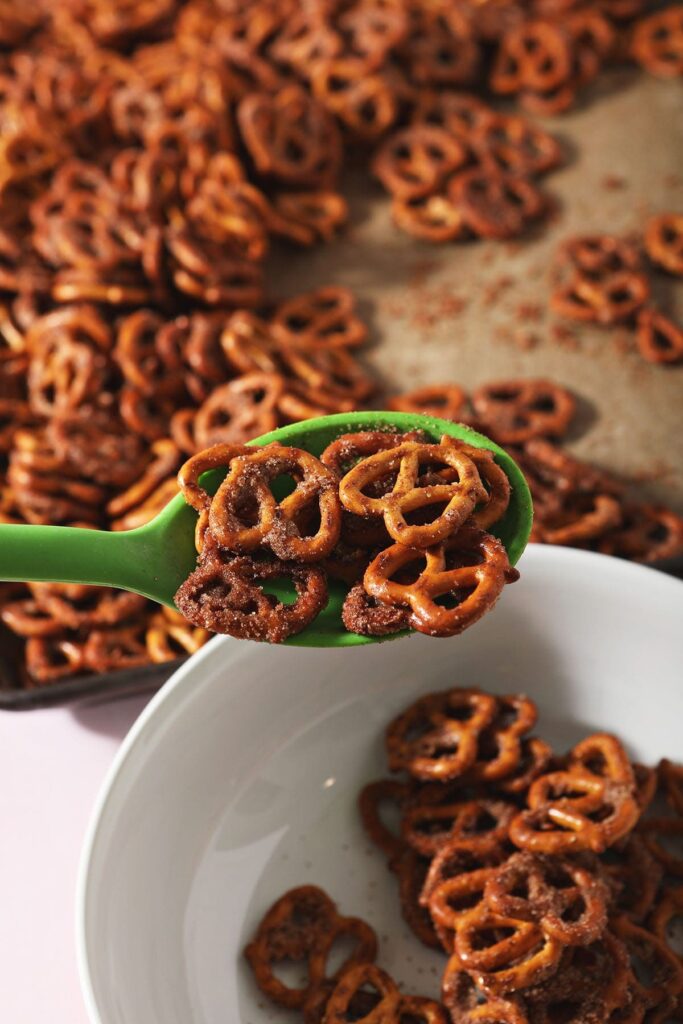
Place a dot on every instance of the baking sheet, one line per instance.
(452, 312)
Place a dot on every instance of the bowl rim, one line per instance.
(169, 692)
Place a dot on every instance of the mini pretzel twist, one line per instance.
(451, 720)
(418, 159)
(522, 958)
(496, 204)
(247, 487)
(406, 494)
(481, 571)
(518, 410)
(657, 42)
(426, 827)
(659, 339)
(566, 900)
(663, 239)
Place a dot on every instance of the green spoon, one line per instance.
(155, 559)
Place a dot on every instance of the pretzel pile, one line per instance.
(549, 882)
(152, 153)
(604, 280)
(575, 504)
(399, 520)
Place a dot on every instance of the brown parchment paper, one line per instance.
(477, 311)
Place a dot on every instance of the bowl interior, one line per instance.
(240, 779)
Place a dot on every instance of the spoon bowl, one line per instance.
(156, 558)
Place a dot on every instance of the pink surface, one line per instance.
(52, 764)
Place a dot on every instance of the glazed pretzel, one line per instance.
(290, 136)
(476, 582)
(663, 240)
(169, 636)
(659, 339)
(238, 411)
(662, 981)
(383, 994)
(75, 606)
(572, 811)
(296, 926)
(566, 900)
(308, 217)
(50, 658)
(512, 144)
(634, 876)
(443, 50)
(534, 57)
(415, 161)
(325, 317)
(363, 101)
(454, 897)
(662, 837)
(493, 478)
(657, 43)
(425, 827)
(598, 256)
(227, 598)
(189, 474)
(460, 497)
(248, 485)
(615, 298)
(647, 533)
(499, 750)
(496, 204)
(370, 801)
(364, 615)
(411, 871)
(519, 410)
(450, 720)
(524, 957)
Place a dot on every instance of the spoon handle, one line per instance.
(65, 554)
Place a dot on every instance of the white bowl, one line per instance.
(239, 780)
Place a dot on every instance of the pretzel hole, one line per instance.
(674, 933)
(460, 901)
(453, 598)
(486, 938)
(293, 973)
(363, 1003)
(342, 950)
(563, 1011)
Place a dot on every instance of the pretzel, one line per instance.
(76, 606)
(590, 984)
(659, 339)
(328, 371)
(647, 533)
(324, 317)
(583, 518)
(168, 636)
(25, 617)
(363, 978)
(442, 48)
(370, 801)
(114, 648)
(598, 256)
(512, 144)
(534, 57)
(499, 748)
(411, 871)
(481, 570)
(664, 977)
(248, 480)
(634, 876)
(415, 161)
(460, 497)
(363, 615)
(50, 658)
(298, 927)
(534, 758)
(575, 810)
(227, 598)
(663, 239)
(364, 102)
(657, 43)
(496, 204)
(451, 720)
(308, 217)
(238, 411)
(433, 218)
(454, 897)
(519, 410)
(668, 907)
(613, 299)
(426, 827)
(290, 136)
(567, 901)
(445, 401)
(524, 957)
